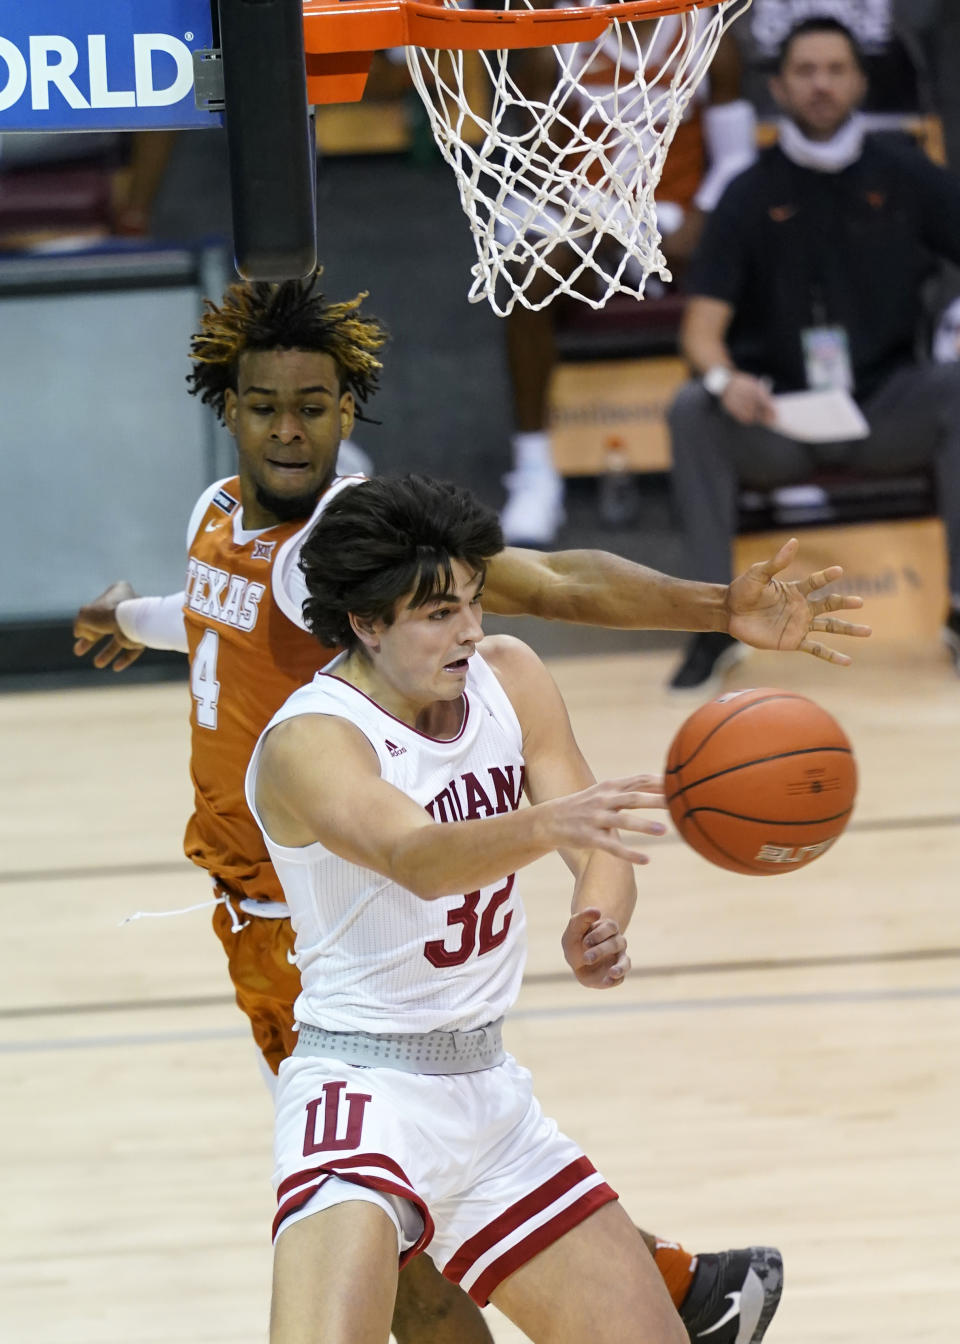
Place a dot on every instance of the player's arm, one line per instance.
(605, 890)
(123, 625)
(597, 588)
(589, 587)
(554, 767)
(319, 780)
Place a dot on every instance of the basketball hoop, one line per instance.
(558, 189)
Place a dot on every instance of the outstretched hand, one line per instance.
(594, 817)
(771, 613)
(595, 949)
(97, 621)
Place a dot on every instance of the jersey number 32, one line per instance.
(476, 930)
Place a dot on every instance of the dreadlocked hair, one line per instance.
(293, 315)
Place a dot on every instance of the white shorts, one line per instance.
(465, 1164)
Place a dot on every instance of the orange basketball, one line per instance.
(760, 781)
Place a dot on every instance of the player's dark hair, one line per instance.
(823, 23)
(294, 315)
(378, 541)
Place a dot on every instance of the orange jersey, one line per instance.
(247, 655)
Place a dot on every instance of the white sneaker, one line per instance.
(534, 509)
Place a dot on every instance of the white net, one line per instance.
(559, 151)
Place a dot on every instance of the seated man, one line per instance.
(809, 275)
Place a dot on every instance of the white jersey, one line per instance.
(372, 955)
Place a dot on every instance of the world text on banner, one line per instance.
(67, 65)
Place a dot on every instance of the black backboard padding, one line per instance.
(269, 138)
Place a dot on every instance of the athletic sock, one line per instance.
(676, 1267)
(531, 451)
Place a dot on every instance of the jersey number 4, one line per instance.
(203, 679)
(476, 931)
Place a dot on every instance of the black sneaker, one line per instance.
(733, 1296)
(951, 637)
(709, 654)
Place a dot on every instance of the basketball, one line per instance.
(760, 781)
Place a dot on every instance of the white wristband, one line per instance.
(156, 622)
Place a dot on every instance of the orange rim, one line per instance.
(340, 26)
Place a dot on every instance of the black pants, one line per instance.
(914, 422)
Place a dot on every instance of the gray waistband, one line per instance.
(427, 1052)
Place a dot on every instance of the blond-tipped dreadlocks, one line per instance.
(290, 316)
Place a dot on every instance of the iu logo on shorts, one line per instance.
(351, 1125)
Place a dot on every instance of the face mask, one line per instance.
(823, 156)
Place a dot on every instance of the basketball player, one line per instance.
(385, 788)
(714, 140)
(286, 370)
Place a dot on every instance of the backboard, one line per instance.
(129, 65)
(118, 65)
(527, 190)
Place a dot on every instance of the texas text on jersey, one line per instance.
(248, 653)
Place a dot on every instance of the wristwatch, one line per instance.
(717, 379)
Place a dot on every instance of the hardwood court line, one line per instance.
(191, 1037)
(767, 964)
(170, 866)
(898, 956)
(813, 999)
(82, 873)
(119, 1006)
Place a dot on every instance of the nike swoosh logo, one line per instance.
(734, 1311)
(211, 527)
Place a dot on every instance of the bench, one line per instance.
(618, 371)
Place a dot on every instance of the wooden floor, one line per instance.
(781, 1067)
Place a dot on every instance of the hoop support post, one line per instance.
(340, 36)
(269, 139)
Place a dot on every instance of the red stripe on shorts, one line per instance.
(538, 1240)
(295, 1202)
(357, 1160)
(539, 1199)
(381, 1183)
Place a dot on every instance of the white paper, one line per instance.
(822, 416)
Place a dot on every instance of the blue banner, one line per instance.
(86, 65)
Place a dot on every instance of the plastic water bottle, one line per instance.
(618, 495)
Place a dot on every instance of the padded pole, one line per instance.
(269, 138)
